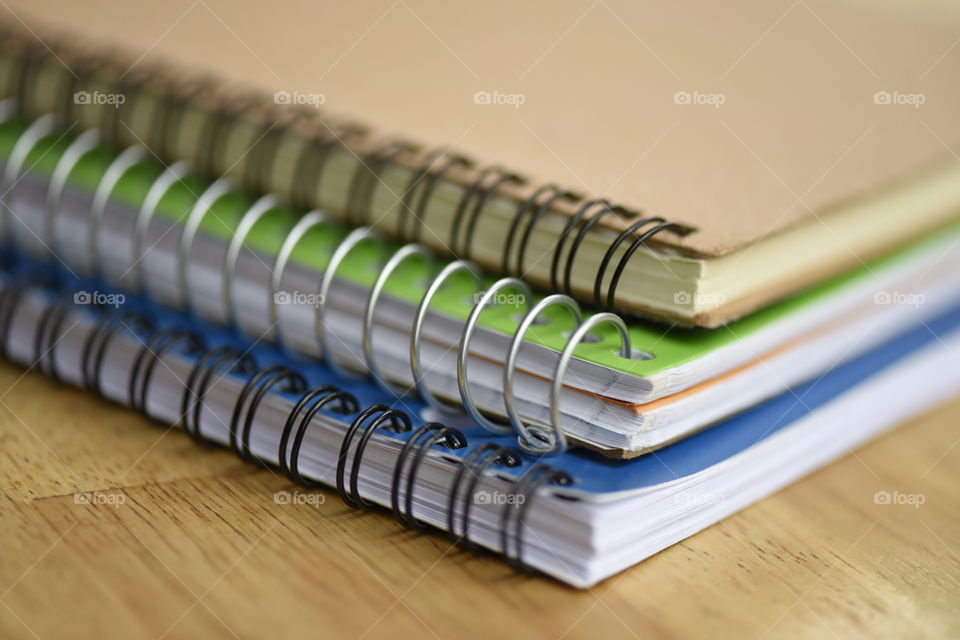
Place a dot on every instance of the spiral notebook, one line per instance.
(459, 340)
(579, 517)
(671, 196)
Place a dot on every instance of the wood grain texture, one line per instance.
(198, 548)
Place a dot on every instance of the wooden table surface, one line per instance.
(179, 541)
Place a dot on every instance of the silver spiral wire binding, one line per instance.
(200, 209)
(416, 364)
(128, 158)
(253, 215)
(352, 241)
(81, 146)
(463, 351)
(527, 436)
(401, 255)
(31, 136)
(160, 187)
(309, 221)
(558, 441)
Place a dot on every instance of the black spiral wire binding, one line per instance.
(515, 510)
(430, 434)
(539, 202)
(475, 464)
(84, 67)
(155, 343)
(259, 385)
(184, 94)
(47, 337)
(424, 180)
(309, 406)
(95, 346)
(10, 299)
(588, 215)
(662, 225)
(367, 175)
(316, 153)
(396, 420)
(314, 157)
(224, 358)
(133, 85)
(149, 356)
(266, 148)
(221, 122)
(475, 197)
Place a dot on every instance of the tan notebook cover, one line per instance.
(777, 116)
(739, 120)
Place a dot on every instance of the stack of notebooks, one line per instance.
(551, 375)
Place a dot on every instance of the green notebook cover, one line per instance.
(661, 348)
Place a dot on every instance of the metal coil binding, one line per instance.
(434, 167)
(514, 513)
(475, 464)
(430, 434)
(146, 361)
(542, 440)
(474, 198)
(534, 439)
(95, 346)
(259, 385)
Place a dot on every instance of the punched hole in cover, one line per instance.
(539, 322)
(587, 339)
(636, 354)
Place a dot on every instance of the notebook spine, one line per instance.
(212, 363)
(273, 125)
